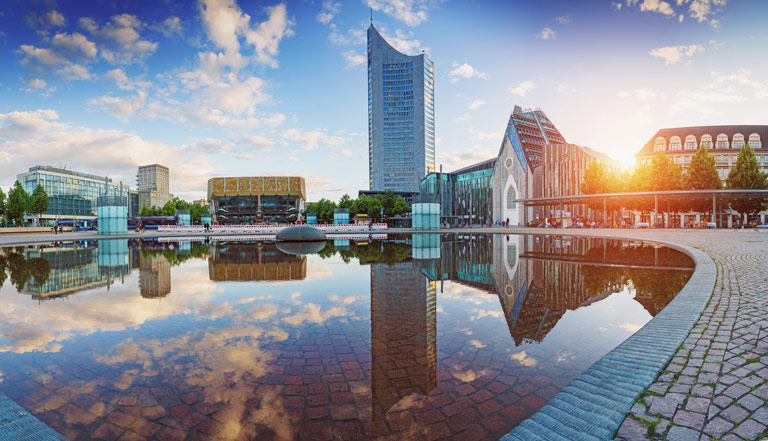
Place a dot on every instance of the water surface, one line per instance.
(421, 337)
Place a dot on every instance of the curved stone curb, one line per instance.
(16, 424)
(595, 404)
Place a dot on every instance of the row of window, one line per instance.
(721, 142)
(720, 159)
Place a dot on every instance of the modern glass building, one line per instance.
(71, 194)
(256, 199)
(465, 195)
(401, 117)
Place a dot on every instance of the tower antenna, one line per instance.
(371, 16)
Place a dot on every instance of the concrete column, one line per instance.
(714, 205)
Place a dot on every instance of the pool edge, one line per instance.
(593, 405)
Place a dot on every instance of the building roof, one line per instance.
(534, 130)
(257, 185)
(48, 168)
(482, 165)
(699, 131)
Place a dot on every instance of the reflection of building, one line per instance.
(403, 333)
(71, 194)
(153, 185)
(401, 117)
(253, 262)
(154, 275)
(71, 270)
(241, 200)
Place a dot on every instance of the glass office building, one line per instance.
(401, 117)
(465, 195)
(71, 194)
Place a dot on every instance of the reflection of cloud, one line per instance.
(457, 291)
(480, 313)
(564, 356)
(345, 300)
(523, 358)
(223, 357)
(92, 311)
(468, 375)
(319, 271)
(312, 313)
(295, 299)
(477, 343)
(252, 299)
(630, 327)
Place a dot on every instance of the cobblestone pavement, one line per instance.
(716, 386)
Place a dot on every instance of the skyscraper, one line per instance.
(401, 117)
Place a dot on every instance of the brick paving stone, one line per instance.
(718, 427)
(632, 430)
(751, 402)
(735, 414)
(678, 433)
(749, 429)
(689, 419)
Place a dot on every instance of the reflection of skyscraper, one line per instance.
(154, 276)
(254, 261)
(403, 332)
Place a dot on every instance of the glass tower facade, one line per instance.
(401, 117)
(71, 194)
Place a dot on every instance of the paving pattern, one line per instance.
(716, 386)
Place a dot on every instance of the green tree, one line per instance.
(145, 211)
(746, 175)
(17, 205)
(401, 207)
(2, 203)
(388, 202)
(597, 179)
(169, 209)
(702, 175)
(197, 212)
(39, 202)
(665, 174)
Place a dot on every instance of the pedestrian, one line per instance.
(506, 224)
(53, 229)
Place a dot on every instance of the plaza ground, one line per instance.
(716, 385)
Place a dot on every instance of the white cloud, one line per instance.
(225, 24)
(410, 12)
(464, 71)
(310, 140)
(257, 143)
(119, 40)
(642, 94)
(50, 18)
(123, 107)
(701, 10)
(523, 88)
(724, 89)
(74, 45)
(484, 136)
(475, 104)
(37, 83)
(169, 27)
(330, 9)
(353, 36)
(36, 137)
(354, 59)
(547, 34)
(563, 19)
(402, 41)
(617, 5)
(674, 54)
(658, 6)
(524, 359)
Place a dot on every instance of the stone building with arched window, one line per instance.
(724, 142)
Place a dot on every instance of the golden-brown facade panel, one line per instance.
(231, 187)
(282, 183)
(270, 185)
(243, 186)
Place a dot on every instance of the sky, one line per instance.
(247, 88)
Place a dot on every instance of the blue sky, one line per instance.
(235, 87)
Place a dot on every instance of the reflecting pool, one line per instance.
(407, 337)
